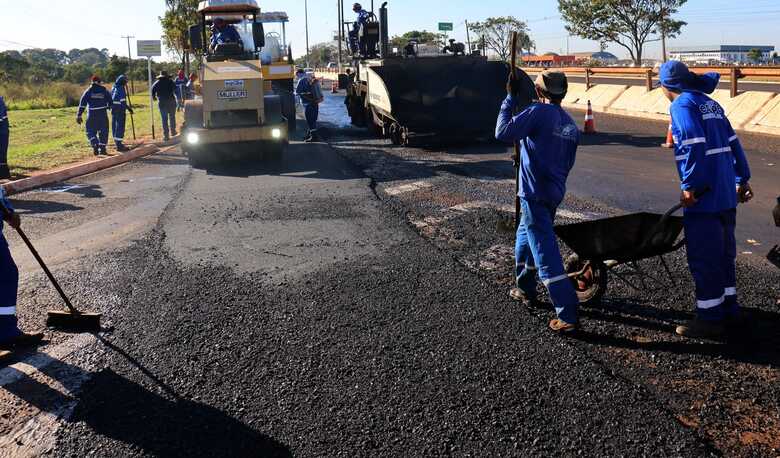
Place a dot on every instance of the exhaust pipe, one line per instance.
(384, 36)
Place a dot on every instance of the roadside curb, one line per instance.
(67, 173)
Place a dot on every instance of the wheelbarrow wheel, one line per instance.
(591, 284)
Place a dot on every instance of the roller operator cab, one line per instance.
(233, 106)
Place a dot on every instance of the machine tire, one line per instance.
(395, 134)
(193, 114)
(284, 89)
(273, 109)
(592, 285)
(274, 152)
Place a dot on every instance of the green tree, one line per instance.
(755, 55)
(116, 66)
(77, 73)
(13, 66)
(628, 23)
(179, 17)
(319, 55)
(496, 35)
(422, 37)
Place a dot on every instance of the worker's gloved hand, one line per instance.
(129, 110)
(79, 120)
(744, 193)
(688, 199)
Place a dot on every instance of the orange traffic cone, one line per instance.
(590, 125)
(669, 139)
(334, 87)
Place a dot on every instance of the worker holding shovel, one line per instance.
(549, 139)
(119, 110)
(10, 334)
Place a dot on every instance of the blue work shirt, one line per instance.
(227, 34)
(96, 98)
(549, 140)
(119, 94)
(3, 111)
(308, 91)
(707, 151)
(362, 18)
(7, 204)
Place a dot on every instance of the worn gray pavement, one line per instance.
(351, 301)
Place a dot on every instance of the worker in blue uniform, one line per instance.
(709, 158)
(97, 100)
(311, 96)
(549, 139)
(119, 110)
(222, 33)
(5, 172)
(354, 34)
(10, 334)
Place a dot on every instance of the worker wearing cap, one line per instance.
(360, 20)
(709, 159)
(5, 172)
(222, 33)
(549, 139)
(181, 88)
(119, 110)
(10, 334)
(311, 96)
(97, 100)
(164, 91)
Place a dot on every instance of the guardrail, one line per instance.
(734, 74)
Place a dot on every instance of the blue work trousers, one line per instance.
(4, 136)
(118, 119)
(97, 128)
(9, 283)
(312, 113)
(712, 254)
(536, 252)
(168, 114)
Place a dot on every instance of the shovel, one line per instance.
(66, 319)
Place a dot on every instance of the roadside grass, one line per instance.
(49, 138)
(41, 96)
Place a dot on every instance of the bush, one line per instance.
(49, 95)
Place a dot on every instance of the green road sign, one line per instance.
(445, 26)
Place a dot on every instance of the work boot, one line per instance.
(563, 327)
(122, 148)
(96, 150)
(25, 340)
(520, 296)
(174, 133)
(5, 172)
(700, 329)
(103, 151)
(166, 138)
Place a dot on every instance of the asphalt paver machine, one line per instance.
(399, 93)
(234, 112)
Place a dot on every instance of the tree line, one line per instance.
(39, 66)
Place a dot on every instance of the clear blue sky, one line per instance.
(81, 23)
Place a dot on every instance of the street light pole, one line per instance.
(306, 13)
(130, 65)
(338, 32)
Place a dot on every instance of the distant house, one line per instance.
(720, 54)
(547, 60)
(601, 57)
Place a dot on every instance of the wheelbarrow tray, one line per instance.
(624, 238)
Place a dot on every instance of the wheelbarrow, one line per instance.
(601, 245)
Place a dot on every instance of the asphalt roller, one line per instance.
(401, 94)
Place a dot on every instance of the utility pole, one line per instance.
(306, 13)
(130, 64)
(663, 32)
(338, 33)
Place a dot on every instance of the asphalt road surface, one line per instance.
(744, 85)
(350, 300)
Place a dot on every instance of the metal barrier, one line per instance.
(734, 74)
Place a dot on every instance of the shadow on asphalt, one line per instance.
(123, 410)
(40, 207)
(623, 140)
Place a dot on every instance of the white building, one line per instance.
(719, 54)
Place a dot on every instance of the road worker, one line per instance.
(119, 110)
(164, 91)
(311, 96)
(10, 334)
(360, 21)
(5, 172)
(549, 139)
(223, 33)
(97, 100)
(709, 159)
(181, 89)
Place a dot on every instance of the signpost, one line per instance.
(149, 49)
(446, 27)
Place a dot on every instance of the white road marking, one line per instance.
(62, 188)
(404, 188)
